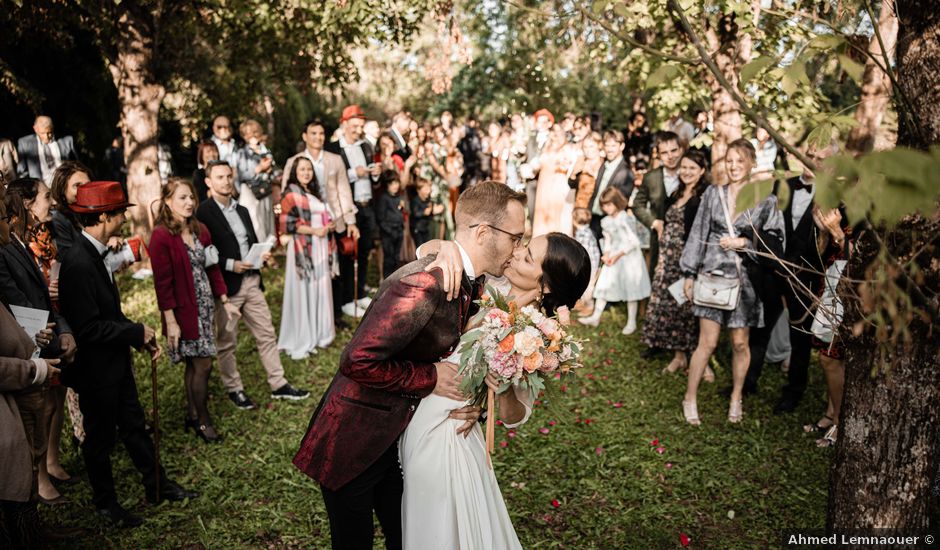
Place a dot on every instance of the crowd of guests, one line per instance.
(661, 234)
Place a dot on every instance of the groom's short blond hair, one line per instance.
(485, 203)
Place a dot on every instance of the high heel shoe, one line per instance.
(735, 412)
(207, 434)
(690, 412)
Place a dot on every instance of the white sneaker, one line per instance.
(353, 310)
(629, 329)
(142, 274)
(364, 302)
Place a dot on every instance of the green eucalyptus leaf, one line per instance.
(749, 71)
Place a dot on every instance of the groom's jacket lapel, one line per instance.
(385, 370)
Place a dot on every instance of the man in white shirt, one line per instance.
(41, 153)
(649, 205)
(371, 132)
(362, 171)
(614, 172)
(222, 137)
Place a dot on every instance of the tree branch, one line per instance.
(756, 117)
(635, 43)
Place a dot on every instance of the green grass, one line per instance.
(725, 486)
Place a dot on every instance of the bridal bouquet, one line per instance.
(521, 346)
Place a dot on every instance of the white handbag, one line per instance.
(715, 290)
(829, 311)
(212, 255)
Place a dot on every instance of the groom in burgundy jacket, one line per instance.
(392, 362)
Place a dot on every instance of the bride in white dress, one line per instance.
(451, 498)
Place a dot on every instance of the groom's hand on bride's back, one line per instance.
(448, 381)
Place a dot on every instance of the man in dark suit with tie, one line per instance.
(802, 248)
(613, 173)
(401, 128)
(41, 153)
(392, 362)
(102, 373)
(652, 198)
(233, 235)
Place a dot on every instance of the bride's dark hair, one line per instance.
(566, 271)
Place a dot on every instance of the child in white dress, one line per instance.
(623, 275)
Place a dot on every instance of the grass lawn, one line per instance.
(591, 478)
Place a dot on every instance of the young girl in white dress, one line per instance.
(623, 276)
(451, 498)
(307, 311)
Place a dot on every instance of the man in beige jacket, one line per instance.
(334, 188)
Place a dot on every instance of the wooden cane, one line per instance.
(490, 425)
(156, 423)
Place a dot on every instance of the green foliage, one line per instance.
(614, 489)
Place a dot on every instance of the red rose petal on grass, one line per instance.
(564, 388)
(608, 362)
(544, 431)
(611, 350)
(537, 402)
(270, 406)
(551, 422)
(599, 451)
(588, 421)
(660, 450)
(557, 376)
(555, 503)
(590, 376)
(504, 443)
(654, 443)
(511, 434)
(684, 539)
(669, 465)
(499, 422)
(608, 401)
(617, 405)
(604, 377)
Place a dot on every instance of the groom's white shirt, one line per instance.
(467, 264)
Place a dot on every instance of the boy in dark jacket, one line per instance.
(391, 217)
(422, 210)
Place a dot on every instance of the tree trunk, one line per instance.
(886, 459)
(140, 97)
(732, 50)
(876, 86)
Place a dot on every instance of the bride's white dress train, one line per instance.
(451, 498)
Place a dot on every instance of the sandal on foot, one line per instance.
(818, 427)
(690, 412)
(735, 412)
(829, 440)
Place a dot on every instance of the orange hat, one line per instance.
(353, 111)
(545, 113)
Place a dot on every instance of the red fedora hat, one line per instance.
(353, 111)
(99, 196)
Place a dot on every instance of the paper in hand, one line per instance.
(677, 289)
(256, 253)
(32, 320)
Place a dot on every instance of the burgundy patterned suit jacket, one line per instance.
(385, 370)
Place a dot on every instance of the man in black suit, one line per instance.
(653, 197)
(362, 172)
(233, 235)
(803, 238)
(613, 173)
(103, 373)
(41, 153)
(401, 128)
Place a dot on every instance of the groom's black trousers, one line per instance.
(350, 508)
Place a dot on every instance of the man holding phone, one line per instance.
(362, 172)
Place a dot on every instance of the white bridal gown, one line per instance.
(451, 498)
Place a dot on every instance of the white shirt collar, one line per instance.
(232, 203)
(312, 159)
(612, 164)
(99, 246)
(467, 264)
(343, 143)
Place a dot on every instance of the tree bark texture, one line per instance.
(876, 85)
(140, 96)
(886, 457)
(731, 51)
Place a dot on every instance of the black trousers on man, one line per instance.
(350, 508)
(110, 411)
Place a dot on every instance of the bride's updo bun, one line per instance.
(566, 271)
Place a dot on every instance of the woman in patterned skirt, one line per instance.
(669, 325)
(187, 279)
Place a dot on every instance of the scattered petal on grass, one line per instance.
(660, 450)
(618, 404)
(511, 434)
(608, 361)
(270, 406)
(654, 443)
(551, 422)
(557, 376)
(543, 431)
(499, 422)
(564, 388)
(555, 503)
(730, 514)
(588, 421)
(504, 443)
(684, 539)
(669, 465)
(599, 451)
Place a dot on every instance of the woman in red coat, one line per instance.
(186, 277)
